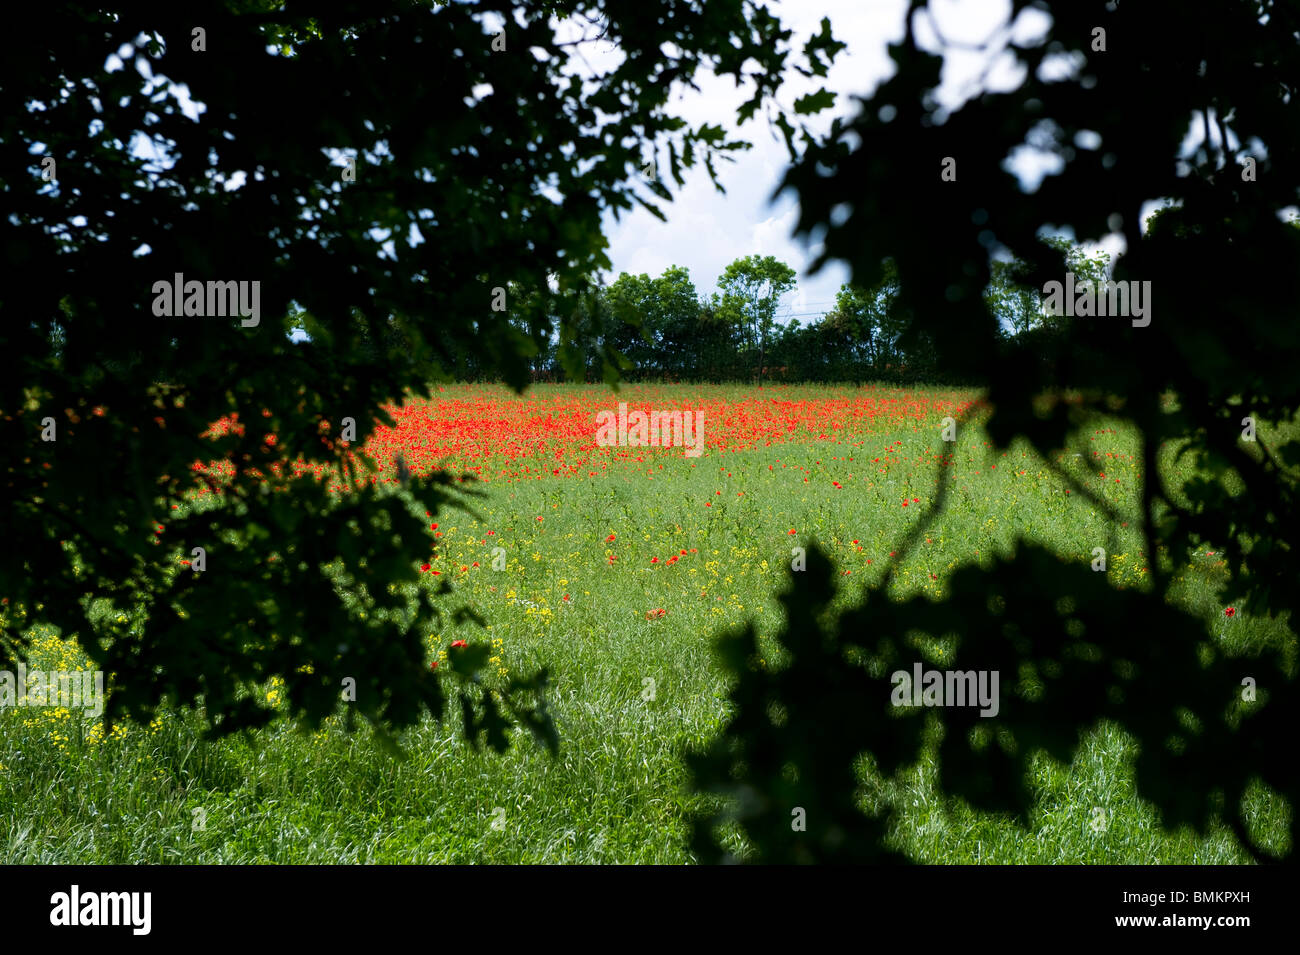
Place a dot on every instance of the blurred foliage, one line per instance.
(1225, 276)
(482, 163)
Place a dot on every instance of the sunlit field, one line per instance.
(615, 568)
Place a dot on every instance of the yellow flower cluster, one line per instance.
(498, 646)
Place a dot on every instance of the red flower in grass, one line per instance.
(424, 566)
(433, 665)
(654, 560)
(459, 643)
(655, 614)
(1230, 612)
(609, 539)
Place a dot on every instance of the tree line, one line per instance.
(663, 329)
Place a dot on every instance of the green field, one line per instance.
(633, 688)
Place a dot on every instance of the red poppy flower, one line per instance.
(609, 538)
(1230, 612)
(433, 665)
(459, 643)
(424, 566)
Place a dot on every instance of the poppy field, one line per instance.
(615, 566)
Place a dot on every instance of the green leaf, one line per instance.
(814, 102)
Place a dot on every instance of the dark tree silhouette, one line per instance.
(386, 173)
(1225, 278)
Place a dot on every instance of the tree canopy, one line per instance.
(405, 182)
(1112, 90)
